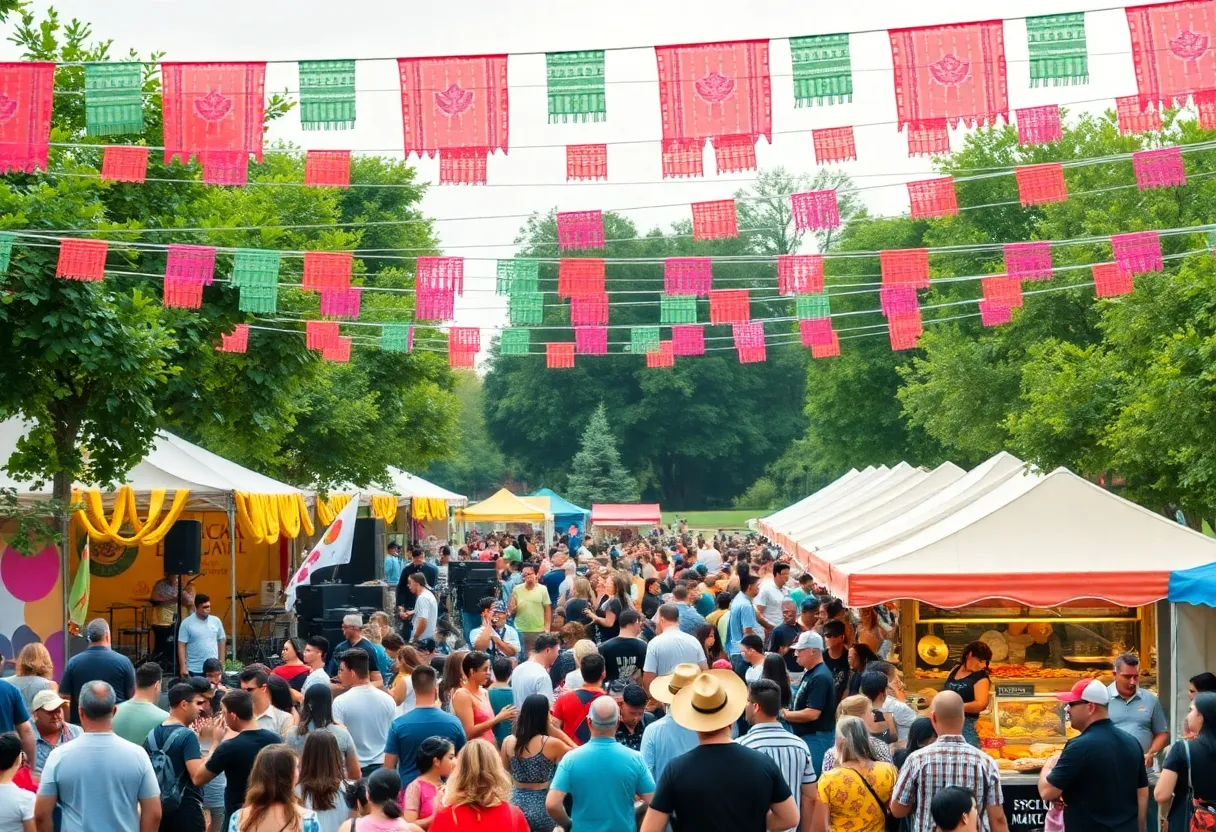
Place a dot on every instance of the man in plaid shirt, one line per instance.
(949, 762)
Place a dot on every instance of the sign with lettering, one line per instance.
(1024, 809)
(1015, 690)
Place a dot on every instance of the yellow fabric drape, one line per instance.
(385, 508)
(301, 509)
(148, 532)
(327, 512)
(263, 518)
(429, 508)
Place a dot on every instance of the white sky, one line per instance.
(533, 178)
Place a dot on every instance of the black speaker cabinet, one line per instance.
(312, 601)
(184, 548)
(472, 580)
(367, 553)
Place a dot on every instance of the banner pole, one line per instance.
(232, 564)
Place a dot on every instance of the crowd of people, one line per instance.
(664, 684)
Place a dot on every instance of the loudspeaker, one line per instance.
(473, 580)
(312, 601)
(184, 548)
(469, 595)
(367, 552)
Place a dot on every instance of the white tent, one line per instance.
(874, 492)
(409, 485)
(778, 525)
(779, 519)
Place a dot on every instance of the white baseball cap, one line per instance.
(810, 640)
(1087, 690)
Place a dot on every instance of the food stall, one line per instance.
(624, 520)
(1055, 574)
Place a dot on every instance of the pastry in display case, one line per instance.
(1022, 732)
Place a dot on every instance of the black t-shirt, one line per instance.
(651, 604)
(784, 635)
(234, 757)
(839, 668)
(1099, 773)
(1202, 773)
(182, 751)
(623, 658)
(576, 611)
(97, 663)
(819, 692)
(750, 783)
(609, 604)
(964, 687)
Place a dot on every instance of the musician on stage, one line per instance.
(164, 615)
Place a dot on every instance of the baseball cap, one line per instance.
(1087, 690)
(810, 640)
(47, 700)
(499, 606)
(394, 546)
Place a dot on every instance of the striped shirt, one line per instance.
(787, 751)
(948, 762)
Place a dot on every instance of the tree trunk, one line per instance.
(61, 491)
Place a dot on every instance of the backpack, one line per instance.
(167, 778)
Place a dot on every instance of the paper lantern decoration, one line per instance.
(1133, 118)
(1039, 125)
(1172, 51)
(687, 275)
(235, 341)
(799, 273)
(898, 300)
(526, 308)
(1057, 49)
(829, 350)
(444, 274)
(1111, 281)
(823, 70)
(341, 303)
(591, 340)
(815, 210)
(714, 220)
(664, 356)
(580, 230)
(255, 272)
(327, 270)
(515, 342)
(519, 274)
(933, 198)
(82, 259)
(905, 267)
(398, 338)
(1137, 252)
(581, 276)
(716, 91)
(816, 332)
(27, 92)
(1028, 261)
(327, 168)
(113, 99)
(456, 107)
(749, 342)
(576, 86)
(948, 74)
(586, 162)
(327, 95)
(1002, 290)
(211, 109)
(193, 264)
(321, 334)
(994, 313)
(834, 144)
(589, 310)
(813, 306)
(182, 294)
(729, 306)
(1161, 168)
(559, 356)
(1041, 184)
(688, 339)
(905, 331)
(643, 339)
(124, 163)
(465, 338)
(435, 305)
(678, 309)
(338, 352)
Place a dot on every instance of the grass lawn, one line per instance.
(714, 520)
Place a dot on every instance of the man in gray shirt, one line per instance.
(1137, 711)
(98, 774)
(671, 647)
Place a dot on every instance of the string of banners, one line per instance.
(710, 93)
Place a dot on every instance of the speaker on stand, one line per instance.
(183, 556)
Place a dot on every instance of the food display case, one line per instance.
(1048, 647)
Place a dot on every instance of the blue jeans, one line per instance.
(818, 744)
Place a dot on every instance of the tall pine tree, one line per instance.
(596, 474)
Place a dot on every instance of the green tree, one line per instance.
(762, 495)
(477, 468)
(596, 473)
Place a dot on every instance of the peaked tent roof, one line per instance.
(411, 485)
(560, 506)
(502, 507)
(778, 519)
(626, 514)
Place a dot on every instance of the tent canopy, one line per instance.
(502, 507)
(409, 485)
(626, 514)
(565, 513)
(1194, 586)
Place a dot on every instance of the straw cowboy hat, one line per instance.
(665, 688)
(714, 700)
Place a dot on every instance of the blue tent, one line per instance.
(1196, 585)
(565, 513)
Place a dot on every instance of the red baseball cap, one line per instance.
(1087, 690)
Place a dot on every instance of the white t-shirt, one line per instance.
(670, 648)
(902, 713)
(367, 712)
(712, 559)
(425, 607)
(316, 677)
(769, 597)
(753, 672)
(16, 807)
(529, 678)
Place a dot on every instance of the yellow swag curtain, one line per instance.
(148, 531)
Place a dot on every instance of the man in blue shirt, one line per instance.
(199, 637)
(742, 621)
(393, 564)
(408, 732)
(603, 776)
(14, 716)
(554, 577)
(98, 663)
(352, 628)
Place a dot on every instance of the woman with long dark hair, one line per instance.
(317, 714)
(651, 597)
(320, 784)
(383, 810)
(292, 670)
(471, 703)
(774, 668)
(860, 658)
(707, 634)
(970, 680)
(270, 799)
(1188, 778)
(614, 600)
(531, 755)
(281, 696)
(452, 678)
(920, 734)
(423, 797)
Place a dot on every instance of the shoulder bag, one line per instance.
(1203, 815)
(890, 822)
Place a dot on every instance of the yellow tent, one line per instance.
(541, 503)
(503, 507)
